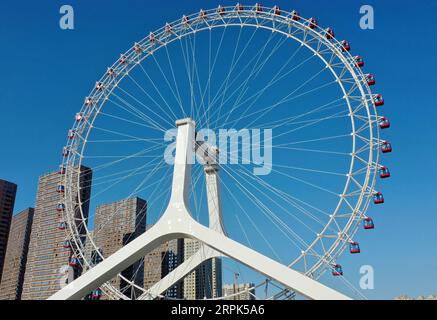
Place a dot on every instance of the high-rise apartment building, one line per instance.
(247, 291)
(49, 257)
(115, 225)
(8, 190)
(206, 280)
(11, 285)
(217, 280)
(160, 262)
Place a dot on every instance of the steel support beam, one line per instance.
(176, 223)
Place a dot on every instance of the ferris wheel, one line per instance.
(283, 80)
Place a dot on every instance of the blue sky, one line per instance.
(46, 72)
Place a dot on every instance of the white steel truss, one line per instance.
(177, 222)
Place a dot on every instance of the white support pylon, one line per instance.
(208, 155)
(177, 222)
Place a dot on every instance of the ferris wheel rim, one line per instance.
(348, 58)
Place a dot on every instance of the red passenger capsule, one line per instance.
(110, 72)
(378, 198)
(203, 15)
(123, 59)
(386, 147)
(370, 79)
(368, 223)
(354, 247)
(137, 48)
(96, 294)
(152, 37)
(313, 23)
(384, 173)
(384, 123)
(359, 61)
(88, 101)
(295, 15)
(277, 10)
(60, 207)
(99, 86)
(71, 134)
(345, 46)
(78, 117)
(221, 10)
(74, 262)
(337, 270)
(378, 100)
(61, 169)
(62, 225)
(330, 34)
